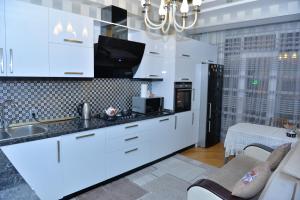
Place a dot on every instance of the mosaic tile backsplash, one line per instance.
(52, 99)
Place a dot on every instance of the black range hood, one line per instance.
(114, 15)
(117, 58)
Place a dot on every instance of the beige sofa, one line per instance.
(284, 183)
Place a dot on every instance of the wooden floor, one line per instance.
(212, 156)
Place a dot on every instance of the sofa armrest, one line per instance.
(206, 189)
(258, 151)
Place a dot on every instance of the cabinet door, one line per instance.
(161, 137)
(185, 69)
(193, 135)
(70, 29)
(2, 40)
(26, 39)
(83, 160)
(183, 129)
(71, 61)
(38, 163)
(151, 67)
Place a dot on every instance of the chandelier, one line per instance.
(167, 14)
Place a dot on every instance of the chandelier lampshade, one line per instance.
(167, 14)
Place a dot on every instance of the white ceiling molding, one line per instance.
(253, 13)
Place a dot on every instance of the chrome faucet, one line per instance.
(4, 123)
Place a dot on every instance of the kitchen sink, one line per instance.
(27, 130)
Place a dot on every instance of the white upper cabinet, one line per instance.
(158, 51)
(71, 50)
(71, 29)
(184, 69)
(71, 61)
(2, 40)
(26, 39)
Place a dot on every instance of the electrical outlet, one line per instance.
(33, 112)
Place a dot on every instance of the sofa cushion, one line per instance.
(252, 182)
(277, 155)
(292, 166)
(233, 171)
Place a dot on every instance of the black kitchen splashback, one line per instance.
(53, 99)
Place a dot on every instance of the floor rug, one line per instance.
(165, 180)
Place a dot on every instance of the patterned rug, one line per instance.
(166, 180)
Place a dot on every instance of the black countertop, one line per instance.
(12, 184)
(55, 129)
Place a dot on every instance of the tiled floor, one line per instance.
(166, 180)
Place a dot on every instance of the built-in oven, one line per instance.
(183, 96)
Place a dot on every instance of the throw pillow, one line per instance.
(252, 182)
(277, 155)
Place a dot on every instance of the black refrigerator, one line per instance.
(214, 104)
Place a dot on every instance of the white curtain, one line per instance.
(262, 73)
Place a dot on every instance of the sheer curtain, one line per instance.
(262, 73)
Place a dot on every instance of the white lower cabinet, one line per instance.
(38, 163)
(184, 130)
(127, 147)
(60, 166)
(161, 137)
(192, 137)
(83, 160)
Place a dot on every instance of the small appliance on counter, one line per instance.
(84, 111)
(117, 116)
(147, 105)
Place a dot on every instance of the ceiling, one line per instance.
(222, 14)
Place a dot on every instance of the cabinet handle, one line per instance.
(184, 90)
(11, 64)
(185, 79)
(194, 91)
(133, 126)
(2, 60)
(130, 151)
(193, 117)
(210, 61)
(163, 120)
(209, 111)
(58, 151)
(186, 55)
(73, 73)
(175, 122)
(153, 75)
(133, 138)
(73, 41)
(209, 126)
(85, 136)
(154, 52)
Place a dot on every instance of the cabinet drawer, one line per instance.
(125, 141)
(130, 128)
(127, 159)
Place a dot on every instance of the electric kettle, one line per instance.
(84, 110)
